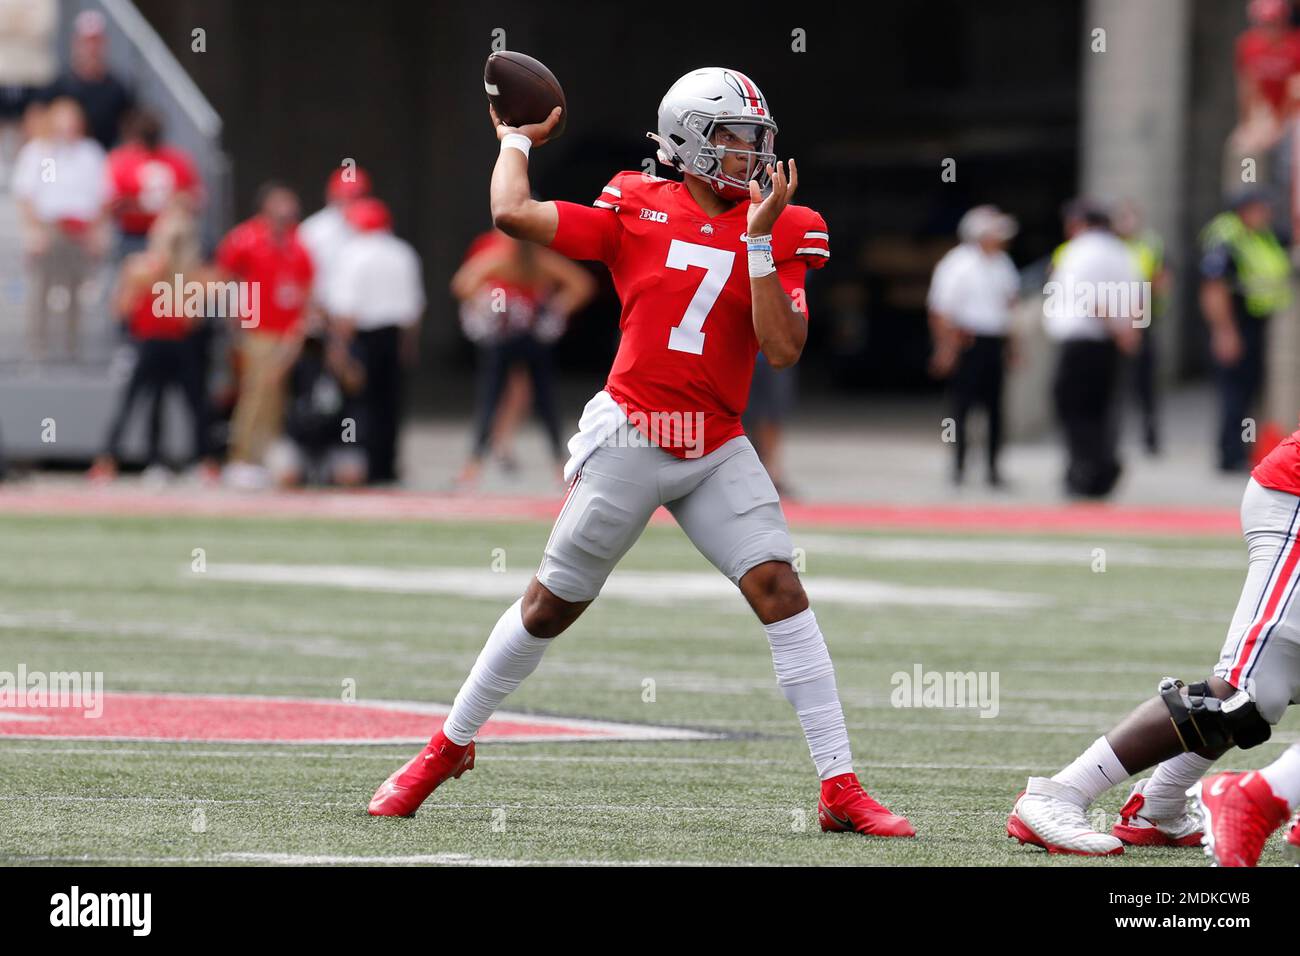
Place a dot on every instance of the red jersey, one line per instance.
(149, 179)
(1268, 63)
(1280, 468)
(282, 271)
(688, 344)
(494, 242)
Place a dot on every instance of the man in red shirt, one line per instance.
(1185, 728)
(144, 176)
(710, 270)
(274, 272)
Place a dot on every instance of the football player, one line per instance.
(710, 270)
(1185, 728)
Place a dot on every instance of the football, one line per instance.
(522, 90)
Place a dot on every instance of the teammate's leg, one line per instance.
(1185, 730)
(1240, 811)
(728, 507)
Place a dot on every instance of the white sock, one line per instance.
(509, 655)
(1283, 775)
(1165, 795)
(807, 678)
(1095, 771)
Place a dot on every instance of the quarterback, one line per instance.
(710, 271)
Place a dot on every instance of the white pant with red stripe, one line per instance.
(1263, 643)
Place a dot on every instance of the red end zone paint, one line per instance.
(239, 719)
(408, 506)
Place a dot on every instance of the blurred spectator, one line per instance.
(144, 176)
(263, 253)
(516, 298)
(971, 295)
(1093, 297)
(1245, 277)
(1148, 255)
(27, 65)
(59, 182)
(325, 379)
(771, 399)
(1267, 58)
(378, 291)
(325, 231)
(104, 98)
(160, 330)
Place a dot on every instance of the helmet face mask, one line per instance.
(710, 117)
(753, 142)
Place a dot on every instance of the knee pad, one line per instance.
(1202, 720)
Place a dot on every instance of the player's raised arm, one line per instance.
(780, 327)
(514, 211)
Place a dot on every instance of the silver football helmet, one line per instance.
(709, 113)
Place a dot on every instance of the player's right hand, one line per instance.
(537, 132)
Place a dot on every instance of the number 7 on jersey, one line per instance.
(688, 334)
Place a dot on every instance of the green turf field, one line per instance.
(116, 595)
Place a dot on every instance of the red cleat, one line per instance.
(1293, 841)
(1239, 811)
(402, 793)
(1137, 829)
(845, 806)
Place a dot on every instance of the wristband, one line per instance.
(760, 256)
(517, 141)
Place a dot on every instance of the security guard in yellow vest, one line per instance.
(1246, 278)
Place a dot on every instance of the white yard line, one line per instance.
(642, 587)
(1017, 552)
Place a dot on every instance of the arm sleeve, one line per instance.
(1216, 263)
(585, 232)
(812, 241)
(230, 252)
(939, 298)
(792, 274)
(591, 232)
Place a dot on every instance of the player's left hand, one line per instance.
(763, 212)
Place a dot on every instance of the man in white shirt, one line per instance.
(379, 292)
(1094, 298)
(326, 231)
(60, 182)
(971, 294)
